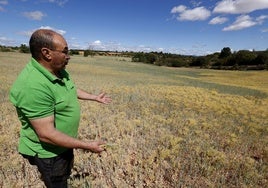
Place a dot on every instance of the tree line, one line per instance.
(240, 60)
(226, 59)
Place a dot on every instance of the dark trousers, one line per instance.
(55, 171)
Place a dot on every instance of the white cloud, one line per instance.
(105, 46)
(59, 2)
(198, 13)
(3, 2)
(240, 6)
(6, 41)
(74, 45)
(241, 22)
(97, 42)
(26, 33)
(196, 3)
(62, 32)
(245, 21)
(30, 32)
(264, 30)
(261, 18)
(194, 50)
(34, 15)
(115, 46)
(218, 20)
(178, 9)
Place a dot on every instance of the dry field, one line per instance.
(166, 127)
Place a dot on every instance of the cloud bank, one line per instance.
(225, 8)
(34, 15)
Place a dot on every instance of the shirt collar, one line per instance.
(48, 74)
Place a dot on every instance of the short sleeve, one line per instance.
(36, 102)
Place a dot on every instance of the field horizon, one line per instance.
(166, 127)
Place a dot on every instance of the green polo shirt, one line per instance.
(37, 94)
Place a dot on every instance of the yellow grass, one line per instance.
(166, 127)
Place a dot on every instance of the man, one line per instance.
(47, 106)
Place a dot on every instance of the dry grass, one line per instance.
(166, 127)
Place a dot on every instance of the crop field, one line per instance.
(166, 127)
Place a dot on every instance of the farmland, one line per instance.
(166, 127)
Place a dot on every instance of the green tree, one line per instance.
(24, 48)
(89, 52)
(74, 52)
(225, 52)
(262, 59)
(201, 61)
(150, 58)
(245, 57)
(139, 57)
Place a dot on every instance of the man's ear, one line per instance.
(46, 53)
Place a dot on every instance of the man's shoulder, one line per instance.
(28, 81)
(27, 76)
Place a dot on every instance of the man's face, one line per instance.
(60, 56)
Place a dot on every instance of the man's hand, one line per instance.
(96, 146)
(102, 98)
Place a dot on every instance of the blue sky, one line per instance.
(186, 27)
